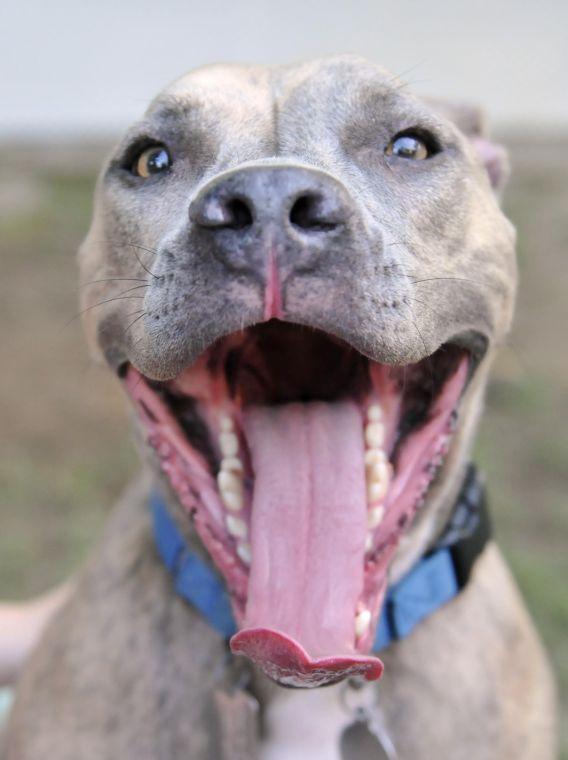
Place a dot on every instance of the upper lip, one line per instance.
(474, 342)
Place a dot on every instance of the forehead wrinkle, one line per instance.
(170, 109)
(233, 105)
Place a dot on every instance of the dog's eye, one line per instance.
(152, 161)
(410, 145)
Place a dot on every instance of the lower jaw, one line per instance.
(308, 580)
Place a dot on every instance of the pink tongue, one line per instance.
(308, 530)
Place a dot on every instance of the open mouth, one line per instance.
(301, 462)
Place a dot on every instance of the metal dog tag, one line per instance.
(365, 739)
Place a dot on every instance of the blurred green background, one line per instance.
(65, 447)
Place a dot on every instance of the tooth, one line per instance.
(236, 526)
(231, 464)
(368, 542)
(232, 500)
(229, 481)
(229, 444)
(226, 424)
(375, 516)
(362, 622)
(375, 435)
(374, 413)
(243, 550)
(376, 491)
(374, 456)
(378, 473)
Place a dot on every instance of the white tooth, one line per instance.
(375, 435)
(243, 550)
(232, 500)
(378, 473)
(376, 491)
(236, 526)
(374, 456)
(231, 464)
(375, 516)
(369, 543)
(226, 423)
(229, 481)
(229, 444)
(374, 413)
(362, 622)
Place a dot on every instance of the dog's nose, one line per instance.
(286, 212)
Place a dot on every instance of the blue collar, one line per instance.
(432, 582)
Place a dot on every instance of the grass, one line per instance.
(66, 452)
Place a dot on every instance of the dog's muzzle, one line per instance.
(271, 222)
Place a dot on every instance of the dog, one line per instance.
(301, 276)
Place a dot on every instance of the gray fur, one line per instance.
(424, 254)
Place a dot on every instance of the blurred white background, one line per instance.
(90, 67)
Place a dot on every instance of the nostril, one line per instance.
(217, 213)
(309, 212)
(240, 215)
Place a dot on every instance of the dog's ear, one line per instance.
(472, 122)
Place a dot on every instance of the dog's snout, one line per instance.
(249, 213)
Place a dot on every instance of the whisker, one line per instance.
(459, 279)
(119, 243)
(420, 334)
(144, 267)
(153, 251)
(427, 305)
(113, 279)
(100, 303)
(134, 321)
(133, 313)
(407, 71)
(136, 287)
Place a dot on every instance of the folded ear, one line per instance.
(472, 122)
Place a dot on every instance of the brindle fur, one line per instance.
(127, 669)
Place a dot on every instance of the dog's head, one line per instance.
(300, 273)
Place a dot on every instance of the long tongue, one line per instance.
(308, 530)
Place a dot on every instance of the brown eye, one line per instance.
(152, 161)
(408, 146)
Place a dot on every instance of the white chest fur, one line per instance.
(304, 724)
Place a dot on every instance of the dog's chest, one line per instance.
(318, 724)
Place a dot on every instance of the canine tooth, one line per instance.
(374, 413)
(375, 434)
(243, 550)
(375, 516)
(368, 543)
(233, 500)
(229, 444)
(374, 456)
(229, 481)
(236, 526)
(376, 490)
(362, 622)
(231, 464)
(226, 424)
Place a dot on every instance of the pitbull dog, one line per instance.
(300, 275)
